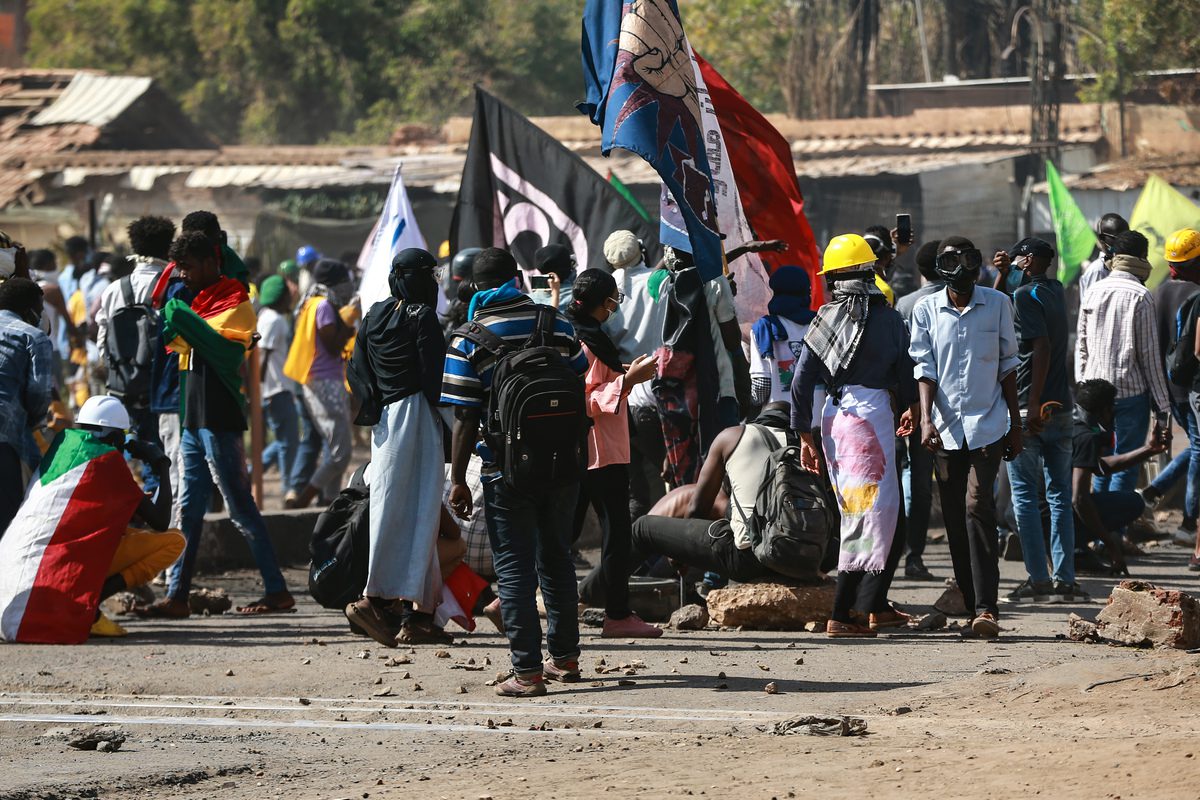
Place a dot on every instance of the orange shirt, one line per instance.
(608, 439)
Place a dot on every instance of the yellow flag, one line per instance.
(1160, 211)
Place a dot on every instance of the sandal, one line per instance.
(282, 603)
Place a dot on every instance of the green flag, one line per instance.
(628, 195)
(1076, 239)
(1160, 210)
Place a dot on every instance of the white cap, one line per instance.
(104, 411)
(622, 249)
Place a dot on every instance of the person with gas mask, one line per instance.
(857, 348)
(965, 348)
(395, 379)
(459, 288)
(1107, 229)
(26, 387)
(316, 360)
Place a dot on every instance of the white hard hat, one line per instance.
(104, 411)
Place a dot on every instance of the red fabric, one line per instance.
(766, 179)
(224, 295)
(158, 296)
(465, 585)
(66, 592)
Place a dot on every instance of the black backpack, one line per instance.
(536, 420)
(1182, 365)
(131, 341)
(791, 522)
(340, 549)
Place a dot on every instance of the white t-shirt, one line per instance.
(276, 338)
(637, 326)
(780, 366)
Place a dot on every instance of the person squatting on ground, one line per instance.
(212, 337)
(857, 347)
(530, 532)
(605, 483)
(395, 378)
(965, 349)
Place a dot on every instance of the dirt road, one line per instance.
(295, 707)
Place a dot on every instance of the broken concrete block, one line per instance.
(933, 621)
(951, 603)
(689, 618)
(770, 606)
(1142, 615)
(1081, 630)
(209, 601)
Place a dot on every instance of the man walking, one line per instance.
(530, 532)
(1117, 341)
(965, 349)
(1045, 463)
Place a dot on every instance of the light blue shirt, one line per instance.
(26, 364)
(966, 355)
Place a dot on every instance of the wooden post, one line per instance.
(257, 437)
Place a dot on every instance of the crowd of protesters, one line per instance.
(505, 402)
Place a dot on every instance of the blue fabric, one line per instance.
(966, 355)
(791, 299)
(1131, 424)
(531, 545)
(1045, 463)
(308, 450)
(164, 371)
(488, 296)
(26, 381)
(1188, 457)
(280, 413)
(207, 454)
(635, 115)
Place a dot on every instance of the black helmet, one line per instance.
(463, 264)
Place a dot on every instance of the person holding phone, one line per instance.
(605, 485)
(552, 286)
(965, 347)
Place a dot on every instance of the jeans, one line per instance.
(1045, 463)
(531, 545)
(647, 449)
(1116, 510)
(144, 426)
(169, 432)
(606, 489)
(966, 479)
(1131, 421)
(280, 412)
(1189, 458)
(700, 543)
(918, 494)
(218, 456)
(308, 450)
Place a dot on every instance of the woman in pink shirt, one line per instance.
(605, 485)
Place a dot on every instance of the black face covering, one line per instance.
(961, 279)
(414, 286)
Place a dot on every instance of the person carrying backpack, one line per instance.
(857, 347)
(127, 330)
(517, 368)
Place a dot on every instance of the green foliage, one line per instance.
(352, 204)
(1131, 36)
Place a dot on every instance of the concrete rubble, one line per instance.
(770, 606)
(1142, 615)
(689, 618)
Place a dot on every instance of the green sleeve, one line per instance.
(180, 321)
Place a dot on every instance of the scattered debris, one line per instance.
(952, 603)
(899, 711)
(384, 692)
(228, 673)
(304, 662)
(1142, 615)
(1082, 630)
(771, 688)
(462, 689)
(1144, 676)
(689, 618)
(304, 701)
(592, 617)
(363, 654)
(417, 687)
(441, 654)
(933, 621)
(206, 602)
(468, 665)
(770, 606)
(626, 682)
(994, 671)
(819, 726)
(814, 627)
(105, 740)
(396, 661)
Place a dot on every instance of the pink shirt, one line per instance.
(608, 439)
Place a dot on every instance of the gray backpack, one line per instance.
(791, 519)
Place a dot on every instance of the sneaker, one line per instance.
(515, 685)
(632, 627)
(914, 569)
(107, 628)
(985, 626)
(1069, 593)
(1030, 592)
(564, 671)
(848, 630)
(1089, 563)
(380, 622)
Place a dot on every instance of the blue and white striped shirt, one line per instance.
(467, 376)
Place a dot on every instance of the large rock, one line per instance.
(952, 603)
(771, 606)
(689, 618)
(1141, 614)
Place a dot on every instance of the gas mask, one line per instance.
(959, 268)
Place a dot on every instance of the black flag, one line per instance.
(521, 190)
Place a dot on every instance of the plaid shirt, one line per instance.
(1118, 339)
(26, 367)
(474, 530)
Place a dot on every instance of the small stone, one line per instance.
(384, 692)
(929, 622)
(689, 618)
(771, 688)
(799, 661)
(417, 687)
(441, 654)
(721, 676)
(363, 654)
(228, 673)
(815, 626)
(462, 689)
(305, 661)
(900, 710)
(379, 681)
(764, 667)
(304, 701)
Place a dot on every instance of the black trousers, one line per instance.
(606, 490)
(920, 471)
(965, 482)
(699, 543)
(647, 449)
(12, 490)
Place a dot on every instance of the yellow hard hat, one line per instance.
(444, 249)
(847, 251)
(1183, 245)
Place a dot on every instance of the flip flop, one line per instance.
(264, 606)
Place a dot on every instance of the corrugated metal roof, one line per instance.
(93, 100)
(1181, 170)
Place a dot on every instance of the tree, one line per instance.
(1120, 38)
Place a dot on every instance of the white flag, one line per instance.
(396, 230)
